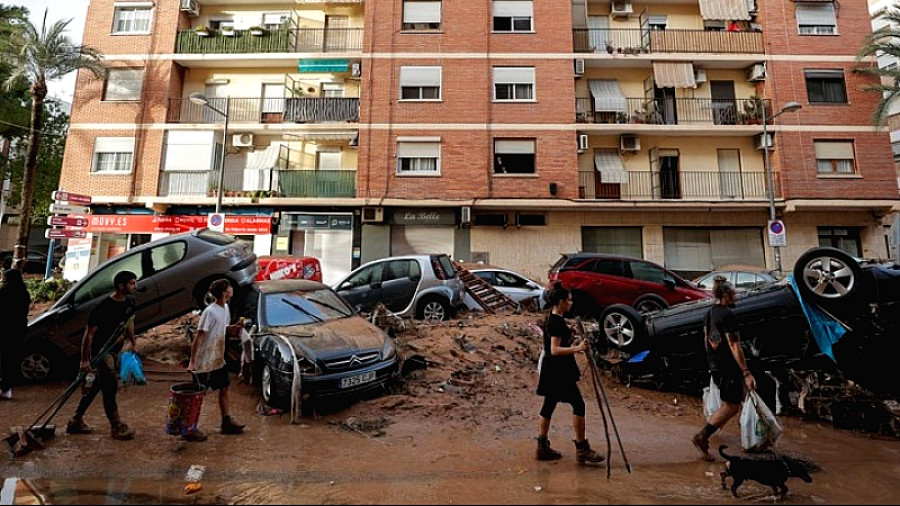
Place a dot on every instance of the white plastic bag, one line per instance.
(712, 399)
(760, 429)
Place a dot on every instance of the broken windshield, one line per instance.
(303, 308)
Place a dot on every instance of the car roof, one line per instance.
(585, 256)
(289, 285)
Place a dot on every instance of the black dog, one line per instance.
(773, 472)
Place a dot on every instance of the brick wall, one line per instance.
(98, 30)
(77, 177)
(782, 36)
(162, 81)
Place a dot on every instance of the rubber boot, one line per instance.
(701, 442)
(544, 452)
(122, 432)
(76, 426)
(585, 455)
(230, 427)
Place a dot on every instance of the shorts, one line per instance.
(731, 387)
(216, 380)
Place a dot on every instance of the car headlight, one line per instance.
(388, 351)
(308, 366)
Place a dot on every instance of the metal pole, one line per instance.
(48, 271)
(221, 189)
(770, 183)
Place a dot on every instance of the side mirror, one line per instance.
(345, 286)
(670, 283)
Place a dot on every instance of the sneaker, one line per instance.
(6, 394)
(230, 428)
(122, 432)
(195, 436)
(76, 426)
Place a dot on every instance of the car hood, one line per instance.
(334, 337)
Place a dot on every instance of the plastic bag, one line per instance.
(760, 429)
(130, 369)
(712, 399)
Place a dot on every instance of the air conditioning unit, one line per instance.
(700, 76)
(356, 70)
(242, 140)
(191, 7)
(582, 143)
(629, 143)
(622, 9)
(579, 67)
(751, 7)
(769, 140)
(465, 216)
(757, 73)
(373, 215)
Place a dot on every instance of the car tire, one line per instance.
(648, 305)
(41, 364)
(433, 309)
(624, 328)
(828, 277)
(269, 389)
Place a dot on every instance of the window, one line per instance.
(642, 271)
(328, 159)
(421, 15)
(333, 90)
(508, 280)
(610, 268)
(402, 269)
(514, 84)
(513, 16)
(845, 239)
(166, 256)
(222, 24)
(826, 87)
(658, 22)
(816, 18)
(420, 83)
(101, 283)
(835, 157)
(748, 281)
(123, 85)
(514, 156)
(419, 157)
(623, 241)
(113, 154)
(133, 19)
(365, 277)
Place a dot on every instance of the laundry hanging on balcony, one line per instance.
(724, 10)
(608, 97)
(674, 75)
(609, 164)
(320, 66)
(258, 173)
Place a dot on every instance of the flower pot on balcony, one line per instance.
(202, 31)
(228, 32)
(257, 31)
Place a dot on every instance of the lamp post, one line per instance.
(770, 178)
(200, 99)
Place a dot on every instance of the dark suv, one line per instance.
(598, 281)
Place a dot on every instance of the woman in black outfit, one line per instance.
(559, 376)
(14, 305)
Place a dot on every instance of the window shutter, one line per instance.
(114, 145)
(513, 9)
(513, 75)
(514, 147)
(420, 76)
(824, 74)
(421, 12)
(816, 14)
(188, 150)
(418, 150)
(826, 150)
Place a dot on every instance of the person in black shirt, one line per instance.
(105, 319)
(559, 376)
(14, 304)
(726, 362)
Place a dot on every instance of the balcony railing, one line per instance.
(681, 185)
(288, 183)
(286, 40)
(267, 110)
(186, 183)
(317, 183)
(680, 111)
(644, 41)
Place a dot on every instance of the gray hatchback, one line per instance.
(174, 275)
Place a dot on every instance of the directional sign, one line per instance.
(67, 221)
(777, 234)
(67, 209)
(64, 233)
(71, 198)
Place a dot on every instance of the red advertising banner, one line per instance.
(149, 224)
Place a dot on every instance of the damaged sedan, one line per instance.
(304, 327)
(834, 315)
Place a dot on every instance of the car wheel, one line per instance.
(650, 305)
(269, 389)
(828, 276)
(433, 310)
(624, 328)
(40, 365)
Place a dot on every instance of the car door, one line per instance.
(515, 287)
(611, 283)
(652, 280)
(166, 269)
(400, 281)
(362, 290)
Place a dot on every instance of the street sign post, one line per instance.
(777, 234)
(69, 209)
(71, 198)
(216, 222)
(74, 226)
(64, 233)
(67, 221)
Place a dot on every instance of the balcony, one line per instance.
(267, 110)
(645, 41)
(287, 183)
(186, 183)
(680, 111)
(288, 40)
(316, 183)
(706, 186)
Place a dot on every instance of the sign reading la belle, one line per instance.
(425, 217)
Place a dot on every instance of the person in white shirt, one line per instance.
(208, 355)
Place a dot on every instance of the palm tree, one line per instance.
(37, 57)
(884, 42)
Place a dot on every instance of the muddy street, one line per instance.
(431, 440)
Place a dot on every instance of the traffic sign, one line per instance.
(777, 234)
(67, 209)
(67, 221)
(216, 222)
(72, 198)
(64, 233)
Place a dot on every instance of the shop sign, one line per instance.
(321, 222)
(424, 217)
(78, 258)
(150, 224)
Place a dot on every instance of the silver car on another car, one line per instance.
(512, 284)
(174, 275)
(425, 287)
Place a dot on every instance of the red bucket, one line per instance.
(185, 402)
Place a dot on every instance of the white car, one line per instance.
(514, 285)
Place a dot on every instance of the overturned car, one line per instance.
(776, 333)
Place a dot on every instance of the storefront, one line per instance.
(326, 236)
(423, 232)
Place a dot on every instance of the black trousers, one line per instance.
(9, 363)
(107, 382)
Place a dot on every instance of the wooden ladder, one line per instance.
(488, 297)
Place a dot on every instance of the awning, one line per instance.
(317, 66)
(610, 166)
(724, 10)
(325, 136)
(608, 96)
(264, 159)
(674, 75)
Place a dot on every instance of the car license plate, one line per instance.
(362, 379)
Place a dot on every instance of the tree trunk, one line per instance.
(38, 95)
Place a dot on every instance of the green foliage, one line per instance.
(884, 42)
(13, 106)
(47, 291)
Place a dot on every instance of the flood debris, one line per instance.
(192, 479)
(370, 427)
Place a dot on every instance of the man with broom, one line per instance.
(104, 323)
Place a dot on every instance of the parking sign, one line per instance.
(777, 234)
(216, 222)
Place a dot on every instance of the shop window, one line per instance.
(132, 18)
(514, 156)
(513, 15)
(163, 257)
(421, 15)
(531, 220)
(846, 239)
(490, 220)
(123, 85)
(826, 87)
(623, 241)
(512, 84)
(835, 157)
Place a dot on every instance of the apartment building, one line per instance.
(507, 131)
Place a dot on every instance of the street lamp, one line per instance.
(201, 100)
(770, 179)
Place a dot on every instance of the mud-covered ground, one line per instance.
(460, 431)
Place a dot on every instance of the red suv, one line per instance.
(598, 281)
